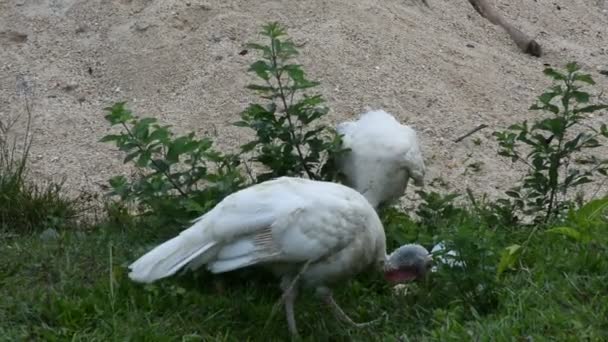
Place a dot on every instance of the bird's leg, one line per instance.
(328, 299)
(289, 287)
(289, 294)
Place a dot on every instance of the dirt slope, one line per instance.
(443, 70)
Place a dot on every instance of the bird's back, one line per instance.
(288, 222)
(383, 155)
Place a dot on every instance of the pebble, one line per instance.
(49, 234)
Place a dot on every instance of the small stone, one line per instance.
(49, 234)
(469, 45)
(14, 37)
(81, 28)
(70, 86)
(141, 27)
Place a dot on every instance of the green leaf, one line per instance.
(261, 88)
(141, 128)
(144, 159)
(249, 146)
(192, 205)
(273, 30)
(572, 67)
(241, 124)
(580, 96)
(554, 74)
(118, 114)
(112, 137)
(295, 72)
(508, 258)
(594, 209)
(262, 69)
(566, 231)
(584, 78)
(590, 109)
(513, 194)
(161, 134)
(131, 156)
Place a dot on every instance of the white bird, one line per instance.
(383, 156)
(309, 233)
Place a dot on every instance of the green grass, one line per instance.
(25, 206)
(75, 288)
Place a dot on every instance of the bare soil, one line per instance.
(443, 70)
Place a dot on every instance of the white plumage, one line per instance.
(307, 232)
(383, 156)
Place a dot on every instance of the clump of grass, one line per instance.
(76, 288)
(24, 205)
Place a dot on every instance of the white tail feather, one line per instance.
(169, 257)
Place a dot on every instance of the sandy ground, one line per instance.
(443, 70)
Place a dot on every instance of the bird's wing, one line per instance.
(286, 220)
(412, 156)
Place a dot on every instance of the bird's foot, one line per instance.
(383, 317)
(341, 315)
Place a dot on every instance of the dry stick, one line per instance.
(478, 128)
(525, 43)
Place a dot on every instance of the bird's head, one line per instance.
(407, 263)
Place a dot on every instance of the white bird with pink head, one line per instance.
(309, 233)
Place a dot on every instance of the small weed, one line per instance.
(24, 205)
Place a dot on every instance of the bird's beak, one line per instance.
(429, 262)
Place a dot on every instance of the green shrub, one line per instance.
(286, 143)
(556, 160)
(180, 177)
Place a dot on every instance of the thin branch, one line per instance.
(478, 128)
(287, 114)
(249, 172)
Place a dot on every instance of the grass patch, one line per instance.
(75, 288)
(26, 206)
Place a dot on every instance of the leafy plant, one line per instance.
(286, 143)
(180, 177)
(587, 224)
(556, 162)
(437, 211)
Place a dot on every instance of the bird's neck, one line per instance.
(372, 198)
(387, 265)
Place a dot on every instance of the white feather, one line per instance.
(282, 223)
(383, 155)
